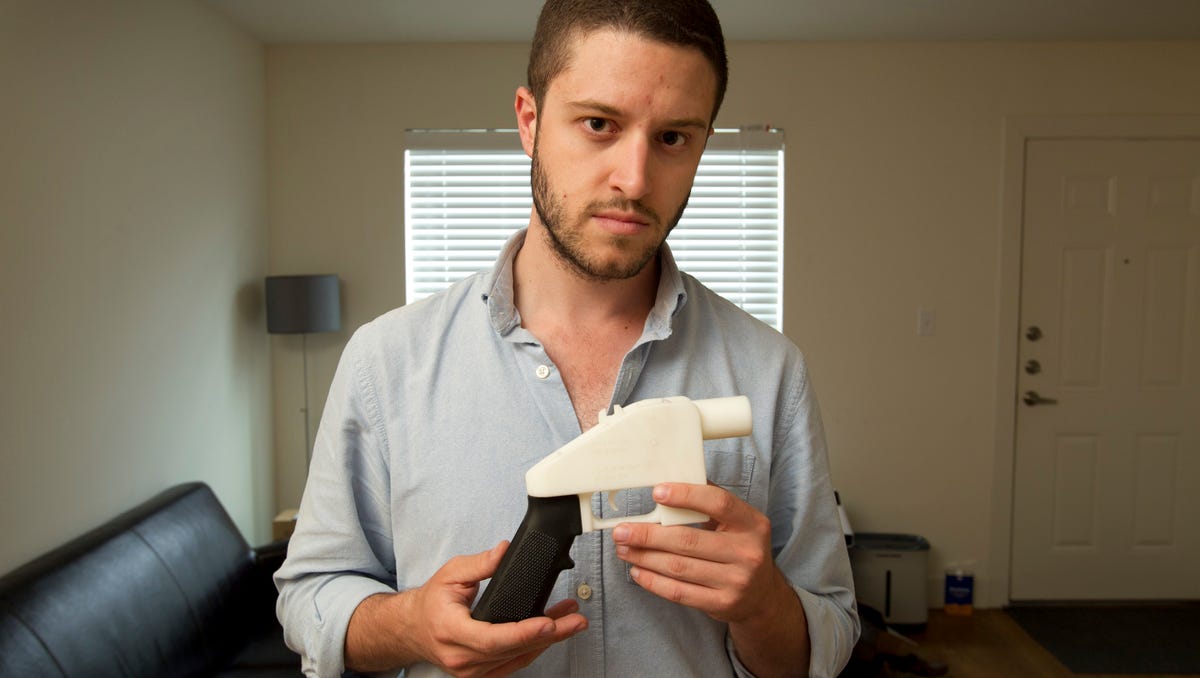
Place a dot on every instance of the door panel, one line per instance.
(1106, 498)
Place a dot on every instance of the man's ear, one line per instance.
(526, 108)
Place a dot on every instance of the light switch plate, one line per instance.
(926, 322)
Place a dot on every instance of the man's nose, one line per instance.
(631, 167)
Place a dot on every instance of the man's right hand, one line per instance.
(433, 623)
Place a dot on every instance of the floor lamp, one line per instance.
(303, 304)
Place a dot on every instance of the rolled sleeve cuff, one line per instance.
(739, 669)
(334, 604)
(831, 633)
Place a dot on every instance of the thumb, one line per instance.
(475, 568)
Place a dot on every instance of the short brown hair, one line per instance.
(687, 23)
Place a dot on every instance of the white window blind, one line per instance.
(467, 191)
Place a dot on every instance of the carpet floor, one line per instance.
(1116, 638)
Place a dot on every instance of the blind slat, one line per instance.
(463, 203)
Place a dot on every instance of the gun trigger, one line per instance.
(612, 499)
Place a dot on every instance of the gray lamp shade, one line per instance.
(299, 304)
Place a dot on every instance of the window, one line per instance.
(467, 191)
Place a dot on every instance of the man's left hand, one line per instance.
(724, 569)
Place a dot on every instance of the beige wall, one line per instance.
(132, 209)
(335, 154)
(894, 186)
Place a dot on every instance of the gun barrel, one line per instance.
(724, 417)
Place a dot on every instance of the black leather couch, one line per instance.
(169, 588)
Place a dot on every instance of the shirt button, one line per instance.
(543, 371)
(584, 592)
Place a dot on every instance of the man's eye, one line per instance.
(674, 139)
(597, 124)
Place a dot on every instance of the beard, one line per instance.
(565, 232)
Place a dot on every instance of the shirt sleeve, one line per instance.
(341, 551)
(806, 533)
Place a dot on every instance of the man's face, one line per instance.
(616, 141)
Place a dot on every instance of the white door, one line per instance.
(1106, 501)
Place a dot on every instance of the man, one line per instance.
(438, 409)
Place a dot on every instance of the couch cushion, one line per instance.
(266, 651)
(113, 611)
(293, 672)
(21, 653)
(213, 566)
(155, 591)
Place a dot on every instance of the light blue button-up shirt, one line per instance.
(437, 410)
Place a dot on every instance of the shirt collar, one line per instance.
(498, 292)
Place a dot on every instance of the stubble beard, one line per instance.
(569, 243)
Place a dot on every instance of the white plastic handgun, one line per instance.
(640, 445)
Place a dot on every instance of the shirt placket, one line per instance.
(585, 582)
(589, 579)
(582, 582)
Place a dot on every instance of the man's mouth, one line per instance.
(633, 217)
(622, 223)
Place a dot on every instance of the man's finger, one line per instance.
(516, 664)
(701, 571)
(716, 502)
(635, 540)
(562, 608)
(511, 639)
(674, 590)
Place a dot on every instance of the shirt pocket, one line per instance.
(732, 470)
(729, 468)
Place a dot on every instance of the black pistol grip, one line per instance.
(539, 551)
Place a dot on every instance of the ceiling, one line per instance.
(359, 21)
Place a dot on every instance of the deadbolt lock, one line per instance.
(1033, 367)
(1033, 333)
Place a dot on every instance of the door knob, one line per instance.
(1032, 398)
(1033, 333)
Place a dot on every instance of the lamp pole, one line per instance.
(300, 304)
(307, 444)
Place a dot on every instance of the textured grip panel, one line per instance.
(521, 594)
(522, 583)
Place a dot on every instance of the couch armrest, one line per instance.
(266, 560)
(271, 556)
